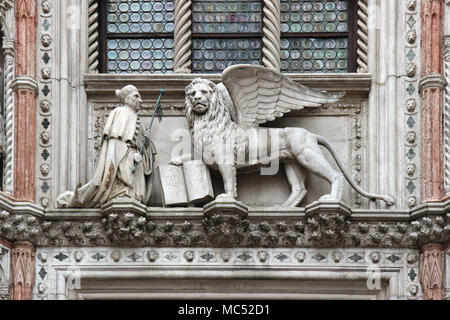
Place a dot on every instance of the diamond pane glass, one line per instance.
(140, 55)
(225, 16)
(314, 16)
(312, 55)
(214, 55)
(139, 16)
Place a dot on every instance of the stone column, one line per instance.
(25, 100)
(432, 271)
(182, 37)
(431, 88)
(22, 270)
(272, 34)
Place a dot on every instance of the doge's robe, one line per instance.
(113, 176)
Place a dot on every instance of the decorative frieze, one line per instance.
(46, 63)
(60, 272)
(411, 151)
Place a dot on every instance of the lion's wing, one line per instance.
(261, 94)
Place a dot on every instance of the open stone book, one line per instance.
(187, 184)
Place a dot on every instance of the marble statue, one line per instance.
(224, 120)
(123, 136)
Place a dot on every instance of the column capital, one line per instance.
(432, 81)
(24, 83)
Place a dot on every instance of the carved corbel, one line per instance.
(327, 223)
(124, 221)
(225, 222)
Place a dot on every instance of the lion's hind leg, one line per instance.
(296, 178)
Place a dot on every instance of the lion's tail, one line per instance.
(372, 196)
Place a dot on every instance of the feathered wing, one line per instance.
(260, 94)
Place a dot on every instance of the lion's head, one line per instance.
(199, 94)
(204, 101)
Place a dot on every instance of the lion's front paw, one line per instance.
(176, 161)
(224, 196)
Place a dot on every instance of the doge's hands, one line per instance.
(176, 161)
(148, 133)
(137, 158)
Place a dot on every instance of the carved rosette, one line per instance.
(22, 268)
(272, 34)
(46, 64)
(432, 272)
(363, 37)
(93, 27)
(182, 37)
(412, 147)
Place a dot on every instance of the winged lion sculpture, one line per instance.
(224, 120)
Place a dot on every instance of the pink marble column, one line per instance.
(432, 271)
(432, 86)
(25, 100)
(22, 270)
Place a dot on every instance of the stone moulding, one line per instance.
(318, 225)
(101, 85)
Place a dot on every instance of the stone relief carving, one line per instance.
(126, 160)
(222, 142)
(320, 226)
(46, 40)
(431, 229)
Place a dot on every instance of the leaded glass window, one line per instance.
(138, 36)
(315, 36)
(225, 32)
